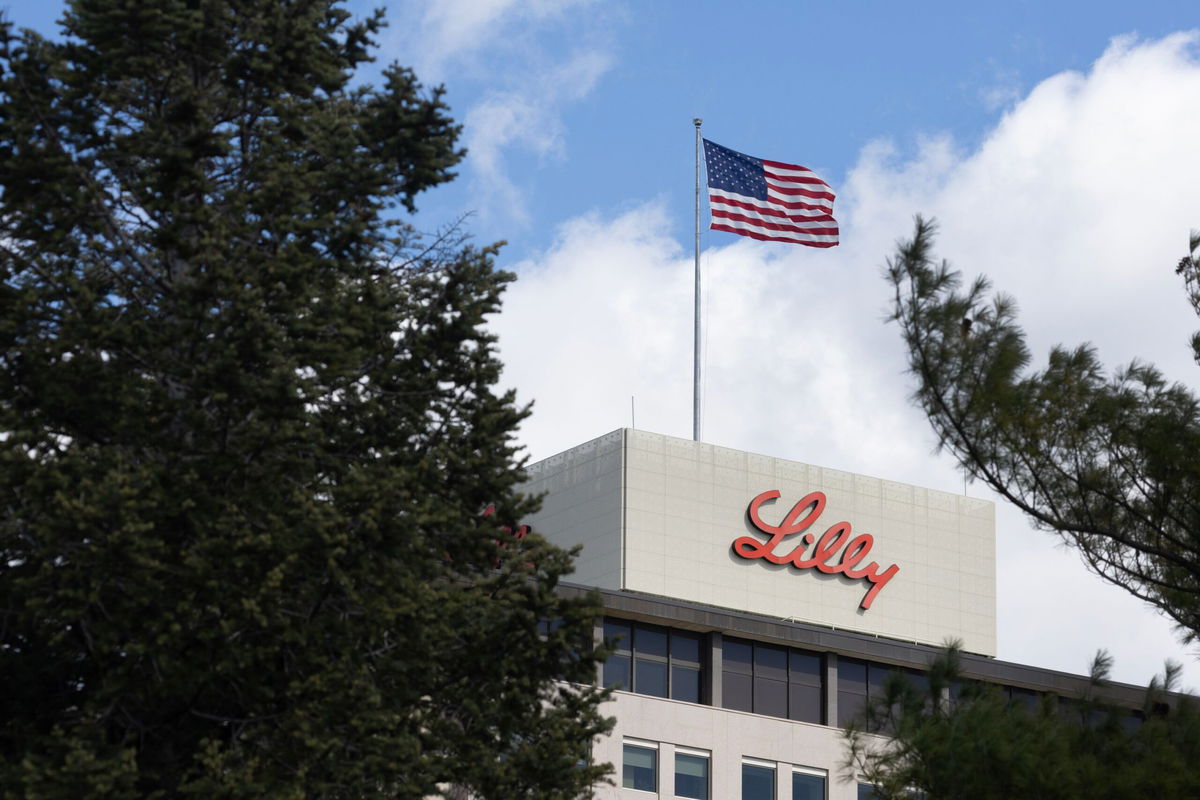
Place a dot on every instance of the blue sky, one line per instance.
(810, 82)
(1054, 141)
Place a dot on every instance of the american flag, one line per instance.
(768, 199)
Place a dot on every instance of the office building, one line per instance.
(759, 603)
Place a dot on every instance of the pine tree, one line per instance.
(1108, 462)
(956, 738)
(248, 428)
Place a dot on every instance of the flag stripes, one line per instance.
(768, 200)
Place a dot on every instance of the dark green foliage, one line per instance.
(1109, 463)
(248, 428)
(983, 746)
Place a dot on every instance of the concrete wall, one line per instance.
(657, 514)
(729, 736)
(582, 505)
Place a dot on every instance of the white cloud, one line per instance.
(528, 118)
(451, 31)
(1078, 204)
(529, 60)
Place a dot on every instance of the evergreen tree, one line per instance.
(248, 430)
(1107, 462)
(956, 738)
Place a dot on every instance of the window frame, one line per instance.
(640, 744)
(875, 677)
(791, 682)
(812, 772)
(762, 764)
(628, 650)
(691, 752)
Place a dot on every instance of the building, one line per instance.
(758, 604)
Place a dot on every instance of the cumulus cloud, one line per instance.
(1078, 203)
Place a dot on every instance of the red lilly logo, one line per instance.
(824, 550)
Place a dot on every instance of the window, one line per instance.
(1082, 711)
(737, 679)
(758, 780)
(772, 680)
(1026, 698)
(686, 666)
(640, 768)
(806, 687)
(652, 660)
(862, 681)
(617, 666)
(691, 773)
(852, 690)
(808, 784)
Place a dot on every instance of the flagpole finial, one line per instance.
(697, 121)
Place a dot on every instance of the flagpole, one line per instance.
(696, 333)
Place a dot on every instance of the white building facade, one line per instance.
(757, 603)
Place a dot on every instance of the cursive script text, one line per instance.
(824, 550)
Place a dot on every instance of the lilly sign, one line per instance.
(822, 553)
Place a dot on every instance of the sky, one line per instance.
(1054, 142)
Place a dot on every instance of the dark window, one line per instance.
(616, 671)
(852, 676)
(808, 786)
(770, 697)
(650, 677)
(691, 776)
(865, 790)
(806, 703)
(652, 660)
(650, 642)
(852, 690)
(685, 683)
(686, 666)
(737, 692)
(772, 680)
(685, 646)
(770, 662)
(877, 676)
(1082, 712)
(617, 668)
(640, 768)
(860, 682)
(805, 668)
(737, 656)
(737, 674)
(1027, 699)
(806, 693)
(758, 783)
